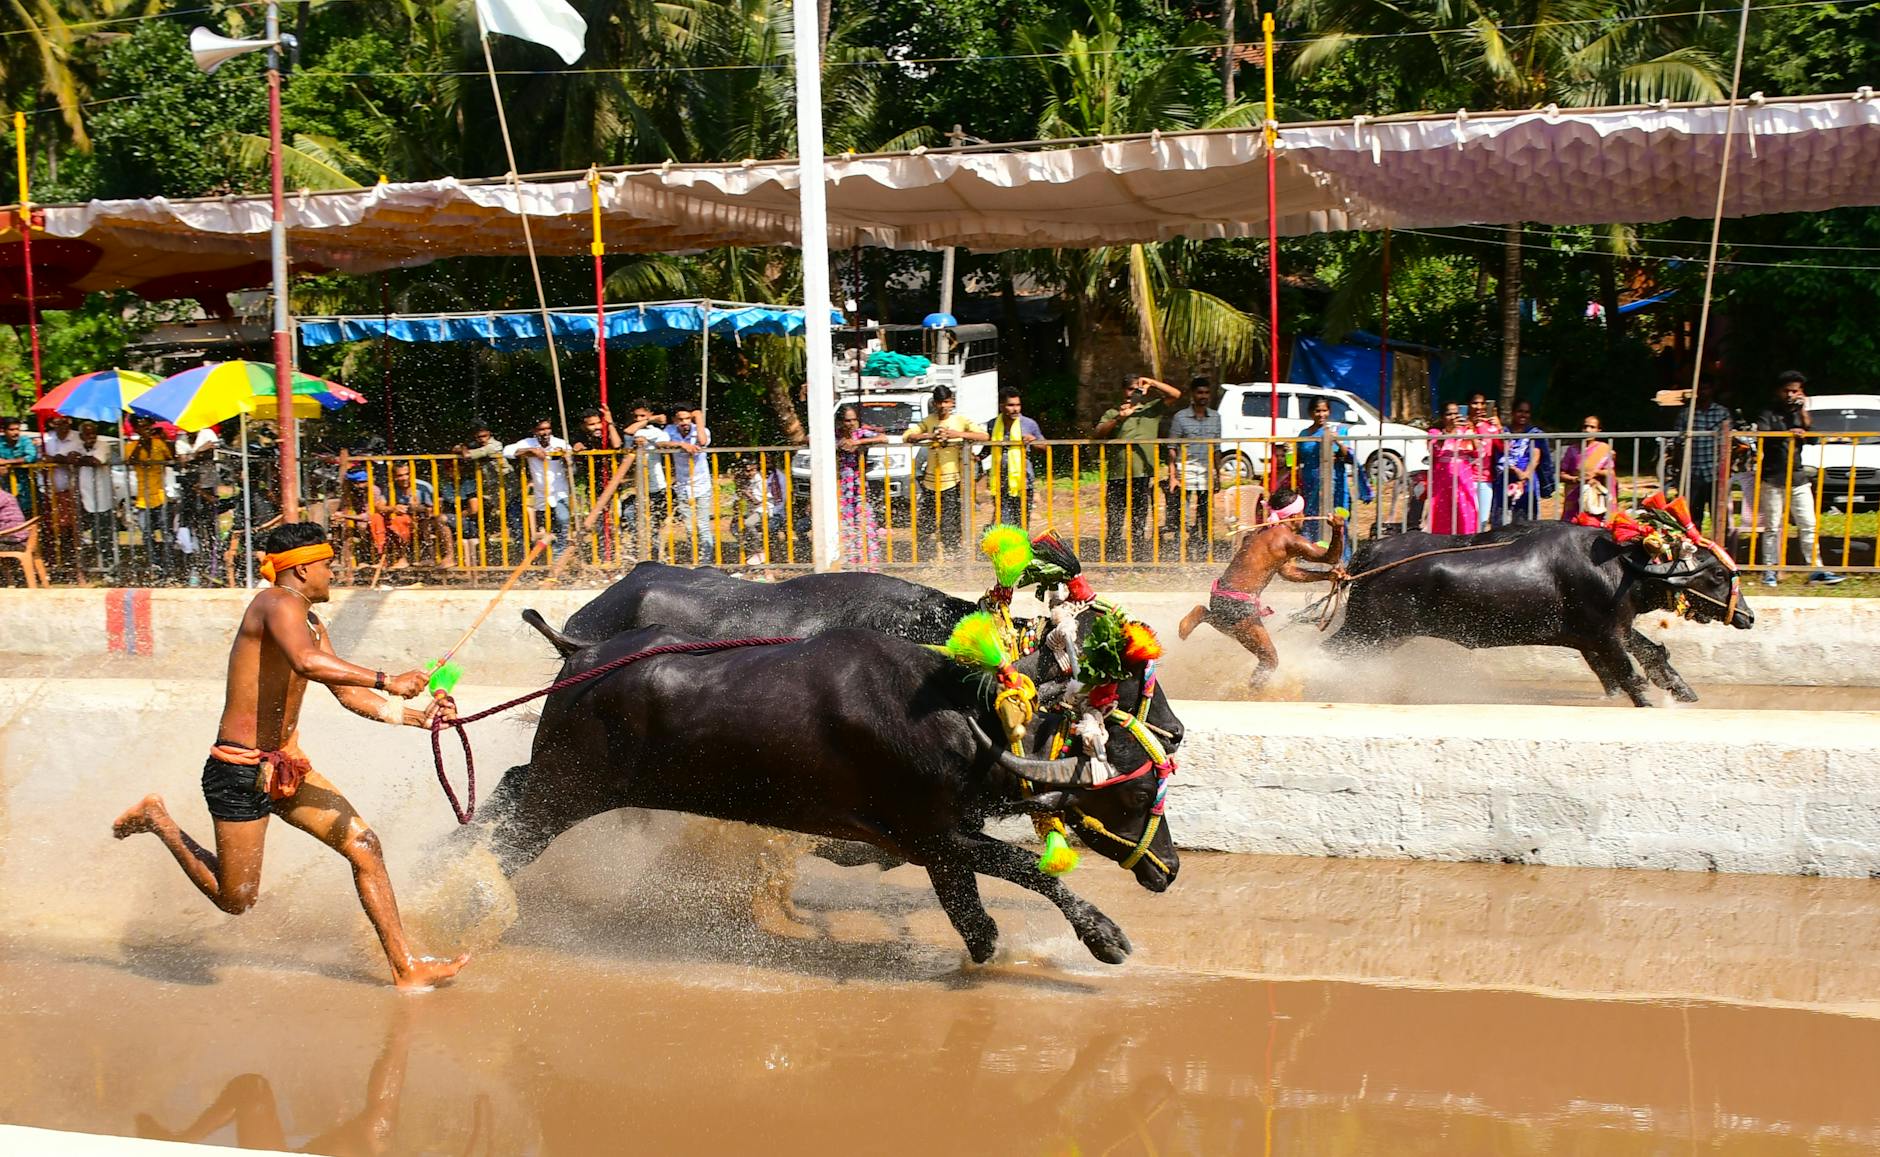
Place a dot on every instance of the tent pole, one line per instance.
(528, 234)
(26, 253)
(1710, 262)
(704, 358)
(816, 341)
(248, 510)
(598, 248)
(1383, 337)
(1272, 258)
(385, 359)
(289, 468)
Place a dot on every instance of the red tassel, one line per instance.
(1140, 646)
(1081, 590)
(1103, 696)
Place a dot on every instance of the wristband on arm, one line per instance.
(378, 680)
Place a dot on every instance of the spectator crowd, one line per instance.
(158, 506)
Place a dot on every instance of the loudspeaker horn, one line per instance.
(211, 49)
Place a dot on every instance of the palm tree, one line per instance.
(1092, 87)
(1525, 54)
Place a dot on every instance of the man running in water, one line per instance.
(1234, 607)
(256, 768)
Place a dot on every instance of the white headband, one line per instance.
(1295, 507)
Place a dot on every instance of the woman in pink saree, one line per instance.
(1453, 453)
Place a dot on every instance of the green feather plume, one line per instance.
(1009, 548)
(975, 642)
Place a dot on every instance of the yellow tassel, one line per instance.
(1059, 857)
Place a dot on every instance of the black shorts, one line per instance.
(229, 790)
(1226, 613)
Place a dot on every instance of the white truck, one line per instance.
(894, 405)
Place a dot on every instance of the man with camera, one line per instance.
(1783, 490)
(1129, 484)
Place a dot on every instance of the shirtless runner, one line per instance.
(1234, 607)
(257, 768)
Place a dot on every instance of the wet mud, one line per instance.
(1274, 1006)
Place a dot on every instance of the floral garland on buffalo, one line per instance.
(1669, 536)
(1113, 648)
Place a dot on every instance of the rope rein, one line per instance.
(439, 723)
(1335, 601)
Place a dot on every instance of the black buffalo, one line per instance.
(711, 604)
(850, 735)
(1540, 584)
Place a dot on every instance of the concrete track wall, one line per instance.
(1822, 642)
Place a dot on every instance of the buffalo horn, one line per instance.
(1057, 772)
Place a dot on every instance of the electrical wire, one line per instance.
(1640, 257)
(1797, 247)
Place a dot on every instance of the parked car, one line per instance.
(1246, 412)
(1846, 470)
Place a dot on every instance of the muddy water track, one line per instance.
(1274, 1005)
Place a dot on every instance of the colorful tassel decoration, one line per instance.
(1140, 646)
(976, 642)
(1058, 857)
(1010, 551)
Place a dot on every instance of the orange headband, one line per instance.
(276, 563)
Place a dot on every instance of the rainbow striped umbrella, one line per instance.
(101, 396)
(218, 391)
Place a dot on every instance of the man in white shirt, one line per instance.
(198, 479)
(97, 493)
(1191, 487)
(61, 448)
(686, 441)
(646, 434)
(546, 457)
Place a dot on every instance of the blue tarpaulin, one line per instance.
(627, 325)
(1351, 365)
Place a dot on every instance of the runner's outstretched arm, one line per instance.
(286, 623)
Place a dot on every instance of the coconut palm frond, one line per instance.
(1199, 326)
(308, 162)
(1142, 300)
(652, 277)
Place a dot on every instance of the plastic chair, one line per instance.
(27, 555)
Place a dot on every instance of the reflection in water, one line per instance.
(249, 1102)
(1493, 1010)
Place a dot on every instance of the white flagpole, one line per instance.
(528, 235)
(816, 341)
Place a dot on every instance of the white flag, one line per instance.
(553, 23)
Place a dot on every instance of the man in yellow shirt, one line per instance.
(937, 498)
(150, 458)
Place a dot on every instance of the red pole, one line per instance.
(1383, 338)
(1272, 251)
(600, 288)
(385, 358)
(26, 254)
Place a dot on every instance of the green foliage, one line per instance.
(169, 129)
(73, 342)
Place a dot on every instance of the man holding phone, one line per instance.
(1784, 492)
(1129, 484)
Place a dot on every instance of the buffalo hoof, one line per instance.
(981, 948)
(1105, 939)
(1682, 693)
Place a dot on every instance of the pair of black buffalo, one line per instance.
(856, 733)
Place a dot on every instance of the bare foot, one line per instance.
(140, 818)
(1190, 621)
(427, 972)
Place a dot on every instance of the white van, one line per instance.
(1246, 412)
(1846, 471)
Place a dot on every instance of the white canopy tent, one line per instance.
(1553, 166)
